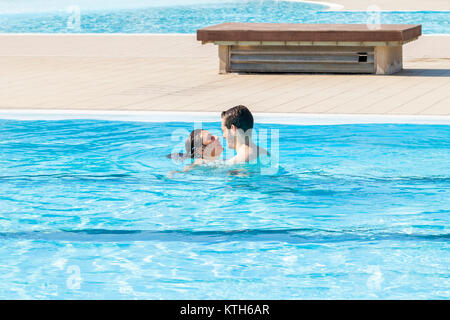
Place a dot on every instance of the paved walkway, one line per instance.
(176, 73)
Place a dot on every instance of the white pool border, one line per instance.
(179, 116)
(331, 6)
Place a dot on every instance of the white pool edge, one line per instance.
(331, 6)
(178, 116)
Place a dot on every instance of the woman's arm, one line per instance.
(185, 169)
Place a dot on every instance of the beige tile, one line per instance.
(177, 73)
(421, 102)
(440, 108)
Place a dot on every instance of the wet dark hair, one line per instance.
(193, 145)
(238, 116)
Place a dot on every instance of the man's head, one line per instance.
(237, 123)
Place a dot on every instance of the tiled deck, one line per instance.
(176, 73)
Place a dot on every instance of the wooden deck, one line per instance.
(176, 73)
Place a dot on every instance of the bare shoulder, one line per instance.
(236, 159)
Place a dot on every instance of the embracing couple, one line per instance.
(237, 126)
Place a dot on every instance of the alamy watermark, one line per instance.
(73, 272)
(374, 17)
(265, 139)
(74, 279)
(74, 19)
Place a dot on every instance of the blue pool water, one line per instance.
(186, 16)
(87, 210)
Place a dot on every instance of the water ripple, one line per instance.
(293, 236)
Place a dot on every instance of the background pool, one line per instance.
(355, 211)
(186, 16)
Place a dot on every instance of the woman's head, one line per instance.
(202, 144)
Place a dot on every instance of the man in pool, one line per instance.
(237, 127)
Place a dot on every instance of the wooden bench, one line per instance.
(330, 48)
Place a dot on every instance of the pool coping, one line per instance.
(188, 116)
(337, 7)
(331, 6)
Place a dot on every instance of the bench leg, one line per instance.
(388, 60)
(224, 59)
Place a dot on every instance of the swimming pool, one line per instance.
(352, 211)
(186, 16)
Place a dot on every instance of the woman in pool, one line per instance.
(202, 147)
